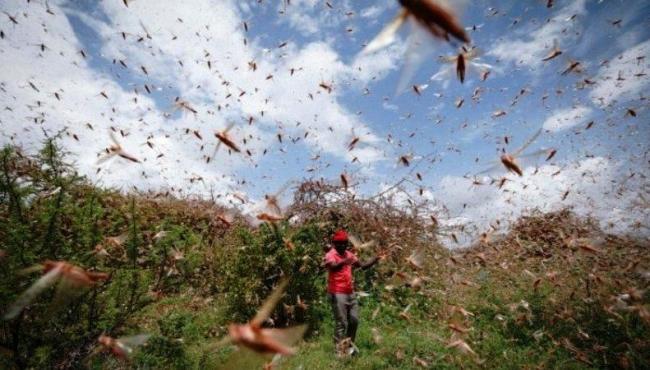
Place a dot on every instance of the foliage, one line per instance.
(262, 260)
(535, 296)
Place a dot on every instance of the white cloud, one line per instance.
(286, 98)
(375, 66)
(300, 19)
(371, 12)
(565, 118)
(617, 81)
(311, 17)
(62, 70)
(594, 187)
(530, 45)
(290, 102)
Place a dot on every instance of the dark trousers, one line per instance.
(346, 315)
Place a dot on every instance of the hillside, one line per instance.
(552, 292)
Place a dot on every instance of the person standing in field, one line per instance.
(339, 262)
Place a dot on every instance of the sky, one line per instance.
(292, 81)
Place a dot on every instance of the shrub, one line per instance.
(262, 259)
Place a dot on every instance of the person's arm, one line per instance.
(335, 266)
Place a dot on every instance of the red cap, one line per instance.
(340, 236)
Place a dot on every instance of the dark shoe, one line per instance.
(354, 350)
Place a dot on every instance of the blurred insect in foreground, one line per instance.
(71, 280)
(116, 149)
(416, 259)
(437, 18)
(266, 340)
(461, 346)
(509, 160)
(225, 217)
(358, 245)
(122, 348)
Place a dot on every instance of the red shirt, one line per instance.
(340, 281)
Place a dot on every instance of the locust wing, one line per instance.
(30, 294)
(387, 34)
(270, 303)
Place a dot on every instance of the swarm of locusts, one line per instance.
(555, 258)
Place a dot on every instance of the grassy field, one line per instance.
(554, 292)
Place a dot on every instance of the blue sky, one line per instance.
(323, 45)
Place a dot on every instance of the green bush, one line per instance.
(161, 353)
(262, 260)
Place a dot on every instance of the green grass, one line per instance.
(226, 272)
(422, 336)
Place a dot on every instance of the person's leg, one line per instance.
(353, 316)
(337, 301)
